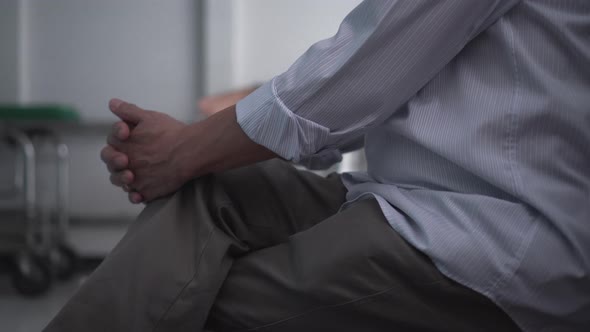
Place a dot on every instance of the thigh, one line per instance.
(165, 273)
(275, 200)
(351, 272)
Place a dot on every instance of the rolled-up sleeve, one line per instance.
(383, 53)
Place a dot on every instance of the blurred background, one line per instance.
(60, 63)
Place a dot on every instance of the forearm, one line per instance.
(217, 144)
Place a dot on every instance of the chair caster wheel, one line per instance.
(32, 276)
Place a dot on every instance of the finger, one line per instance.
(125, 111)
(120, 131)
(122, 179)
(106, 153)
(114, 142)
(114, 159)
(135, 197)
(119, 162)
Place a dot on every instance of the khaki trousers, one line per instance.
(264, 248)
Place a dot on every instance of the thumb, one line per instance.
(125, 111)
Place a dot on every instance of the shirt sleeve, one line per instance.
(326, 158)
(384, 52)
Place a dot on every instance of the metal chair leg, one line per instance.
(31, 275)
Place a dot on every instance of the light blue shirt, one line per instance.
(476, 120)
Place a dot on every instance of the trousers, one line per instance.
(265, 248)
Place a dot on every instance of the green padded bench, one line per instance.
(37, 113)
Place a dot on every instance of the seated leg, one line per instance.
(350, 272)
(165, 273)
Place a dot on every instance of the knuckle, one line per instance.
(114, 141)
(111, 140)
(104, 153)
(121, 132)
(111, 162)
(146, 195)
(113, 179)
(129, 106)
(139, 187)
(119, 160)
(127, 177)
(116, 163)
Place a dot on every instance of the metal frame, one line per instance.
(62, 185)
(28, 184)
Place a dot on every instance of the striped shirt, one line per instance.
(476, 122)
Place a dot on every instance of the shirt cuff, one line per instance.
(321, 160)
(268, 122)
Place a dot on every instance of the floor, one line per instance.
(24, 314)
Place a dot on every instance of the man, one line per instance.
(473, 214)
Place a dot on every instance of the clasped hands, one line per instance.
(142, 152)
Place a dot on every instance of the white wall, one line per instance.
(8, 51)
(272, 34)
(220, 17)
(250, 41)
(83, 52)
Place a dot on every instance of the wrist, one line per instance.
(216, 144)
(185, 156)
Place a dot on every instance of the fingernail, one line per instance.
(128, 177)
(136, 198)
